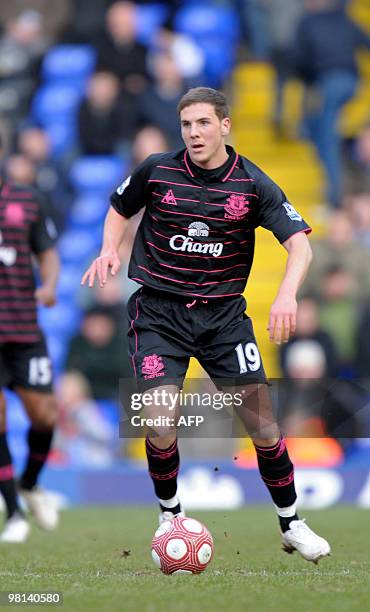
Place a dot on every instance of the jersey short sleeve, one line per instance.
(130, 196)
(43, 233)
(276, 214)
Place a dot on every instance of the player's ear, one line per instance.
(225, 126)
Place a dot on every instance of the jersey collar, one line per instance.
(222, 173)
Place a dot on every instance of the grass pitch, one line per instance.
(86, 560)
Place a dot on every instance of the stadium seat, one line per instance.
(76, 245)
(58, 351)
(69, 281)
(217, 31)
(150, 18)
(56, 102)
(98, 174)
(68, 63)
(88, 210)
(62, 136)
(201, 21)
(62, 319)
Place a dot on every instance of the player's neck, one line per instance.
(216, 161)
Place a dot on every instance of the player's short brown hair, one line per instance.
(206, 95)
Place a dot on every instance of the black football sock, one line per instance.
(7, 482)
(39, 443)
(277, 473)
(163, 468)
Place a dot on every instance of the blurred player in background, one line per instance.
(193, 254)
(26, 232)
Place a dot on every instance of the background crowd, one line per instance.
(89, 88)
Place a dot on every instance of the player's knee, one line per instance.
(47, 414)
(162, 441)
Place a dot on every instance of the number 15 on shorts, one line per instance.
(248, 357)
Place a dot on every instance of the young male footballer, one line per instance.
(192, 255)
(26, 233)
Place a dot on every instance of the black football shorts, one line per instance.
(26, 365)
(166, 330)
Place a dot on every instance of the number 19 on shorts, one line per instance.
(248, 357)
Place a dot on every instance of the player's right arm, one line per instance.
(125, 202)
(114, 228)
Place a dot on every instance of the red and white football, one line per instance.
(182, 545)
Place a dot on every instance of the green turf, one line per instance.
(83, 559)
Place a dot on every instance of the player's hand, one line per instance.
(283, 318)
(46, 296)
(100, 267)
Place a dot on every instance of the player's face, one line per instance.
(204, 135)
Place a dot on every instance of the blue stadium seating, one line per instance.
(150, 19)
(54, 102)
(62, 136)
(63, 319)
(202, 21)
(217, 31)
(75, 245)
(69, 281)
(68, 63)
(88, 210)
(99, 174)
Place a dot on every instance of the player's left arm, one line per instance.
(42, 241)
(49, 267)
(283, 312)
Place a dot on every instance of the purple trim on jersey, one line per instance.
(239, 180)
(236, 192)
(20, 327)
(10, 293)
(179, 184)
(26, 315)
(206, 271)
(216, 295)
(136, 336)
(173, 280)
(20, 338)
(186, 163)
(231, 169)
(161, 195)
(169, 168)
(173, 212)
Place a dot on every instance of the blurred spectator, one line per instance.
(363, 346)
(186, 54)
(253, 18)
(358, 164)
(359, 211)
(85, 21)
(338, 248)
(311, 405)
(55, 13)
(158, 104)
(83, 438)
(19, 169)
(22, 46)
(308, 329)
(148, 140)
(50, 177)
(282, 17)
(339, 316)
(100, 115)
(119, 51)
(100, 353)
(325, 48)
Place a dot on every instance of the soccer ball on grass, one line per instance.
(182, 546)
